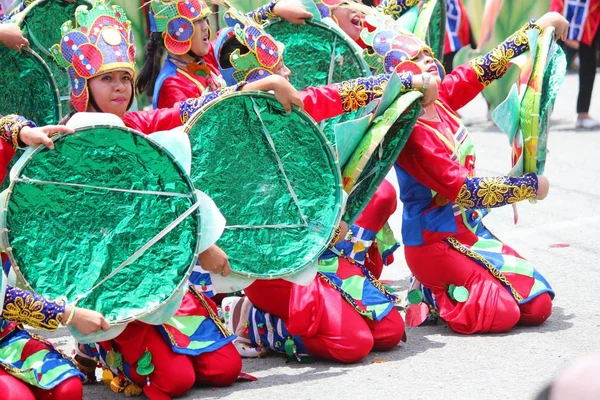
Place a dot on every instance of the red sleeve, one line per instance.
(428, 160)
(174, 90)
(460, 87)
(150, 121)
(322, 102)
(557, 5)
(6, 154)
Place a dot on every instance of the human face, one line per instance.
(281, 70)
(425, 61)
(350, 21)
(112, 92)
(201, 38)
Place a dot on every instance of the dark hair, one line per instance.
(154, 51)
(230, 46)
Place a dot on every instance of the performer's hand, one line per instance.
(12, 37)
(432, 93)
(86, 321)
(41, 135)
(214, 260)
(543, 187)
(292, 11)
(560, 24)
(283, 90)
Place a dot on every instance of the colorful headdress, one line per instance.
(176, 19)
(392, 48)
(101, 41)
(264, 54)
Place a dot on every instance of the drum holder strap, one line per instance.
(280, 163)
(142, 249)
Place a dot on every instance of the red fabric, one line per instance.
(459, 87)
(379, 209)
(151, 121)
(322, 102)
(328, 325)
(218, 368)
(6, 154)
(15, 389)
(178, 88)
(592, 21)
(489, 307)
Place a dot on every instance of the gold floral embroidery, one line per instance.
(522, 192)
(492, 190)
(26, 310)
(354, 95)
(464, 198)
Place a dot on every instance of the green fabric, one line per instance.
(186, 324)
(41, 23)
(234, 163)
(377, 152)
(66, 239)
(28, 88)
(431, 26)
(318, 54)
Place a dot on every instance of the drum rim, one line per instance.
(328, 148)
(184, 175)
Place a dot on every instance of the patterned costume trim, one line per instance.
(191, 106)
(212, 315)
(395, 8)
(456, 245)
(33, 310)
(264, 13)
(494, 64)
(497, 191)
(357, 93)
(10, 126)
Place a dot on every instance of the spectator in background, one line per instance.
(584, 18)
(458, 32)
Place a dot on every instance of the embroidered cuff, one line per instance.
(264, 13)
(357, 93)
(395, 8)
(191, 106)
(494, 64)
(33, 310)
(10, 126)
(497, 191)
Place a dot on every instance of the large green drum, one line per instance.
(275, 179)
(108, 219)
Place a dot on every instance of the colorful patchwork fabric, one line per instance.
(357, 93)
(494, 64)
(191, 106)
(395, 8)
(497, 191)
(202, 281)
(33, 310)
(357, 243)
(35, 361)
(357, 286)
(387, 244)
(10, 126)
(196, 334)
(264, 13)
(268, 331)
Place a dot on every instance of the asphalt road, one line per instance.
(436, 363)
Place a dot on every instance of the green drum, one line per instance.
(319, 53)
(41, 22)
(274, 178)
(28, 87)
(377, 152)
(108, 219)
(431, 26)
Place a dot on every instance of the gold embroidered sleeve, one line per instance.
(33, 310)
(10, 126)
(494, 64)
(497, 191)
(357, 93)
(264, 13)
(395, 8)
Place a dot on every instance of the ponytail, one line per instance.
(152, 65)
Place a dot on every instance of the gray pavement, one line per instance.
(436, 363)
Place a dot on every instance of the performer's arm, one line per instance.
(30, 309)
(292, 11)
(395, 8)
(429, 161)
(10, 126)
(174, 90)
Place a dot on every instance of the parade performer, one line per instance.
(31, 367)
(98, 51)
(190, 68)
(311, 314)
(480, 284)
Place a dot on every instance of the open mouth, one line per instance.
(356, 20)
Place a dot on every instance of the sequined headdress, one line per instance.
(101, 41)
(264, 54)
(392, 48)
(175, 18)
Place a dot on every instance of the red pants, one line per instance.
(175, 373)
(328, 325)
(12, 388)
(489, 307)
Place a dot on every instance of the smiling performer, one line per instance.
(480, 284)
(181, 27)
